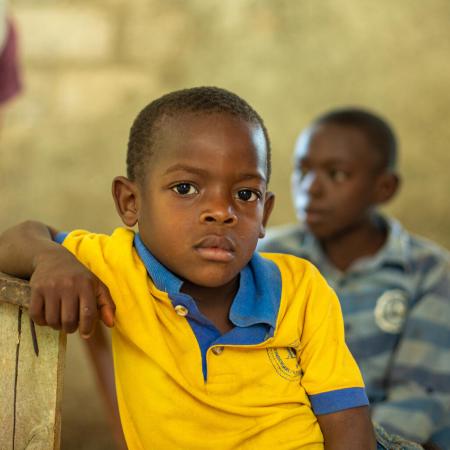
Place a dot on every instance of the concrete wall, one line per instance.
(89, 66)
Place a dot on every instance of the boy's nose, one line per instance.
(312, 184)
(222, 213)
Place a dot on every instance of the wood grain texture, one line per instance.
(14, 291)
(30, 385)
(8, 344)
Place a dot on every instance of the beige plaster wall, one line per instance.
(89, 66)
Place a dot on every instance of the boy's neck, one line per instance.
(214, 302)
(364, 239)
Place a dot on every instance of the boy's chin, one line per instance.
(211, 279)
(320, 232)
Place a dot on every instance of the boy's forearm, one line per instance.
(65, 294)
(21, 246)
(350, 429)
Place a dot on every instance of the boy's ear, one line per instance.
(386, 187)
(126, 198)
(268, 207)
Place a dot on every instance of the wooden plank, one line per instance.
(8, 345)
(14, 291)
(30, 385)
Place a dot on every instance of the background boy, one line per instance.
(393, 286)
(214, 346)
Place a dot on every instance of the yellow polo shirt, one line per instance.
(182, 385)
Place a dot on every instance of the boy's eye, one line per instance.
(301, 172)
(338, 175)
(247, 195)
(185, 189)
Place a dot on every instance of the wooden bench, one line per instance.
(31, 379)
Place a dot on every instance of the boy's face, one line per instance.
(334, 179)
(203, 203)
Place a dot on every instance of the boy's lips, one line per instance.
(216, 248)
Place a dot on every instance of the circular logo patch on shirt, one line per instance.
(284, 360)
(390, 311)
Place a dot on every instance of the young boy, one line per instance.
(214, 346)
(393, 287)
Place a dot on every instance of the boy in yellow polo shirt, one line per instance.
(215, 346)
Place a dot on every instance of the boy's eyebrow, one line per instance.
(204, 172)
(326, 161)
(186, 168)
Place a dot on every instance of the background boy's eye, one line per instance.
(338, 175)
(184, 189)
(302, 171)
(247, 195)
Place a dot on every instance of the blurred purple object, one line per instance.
(10, 82)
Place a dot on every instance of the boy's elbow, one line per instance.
(28, 229)
(34, 227)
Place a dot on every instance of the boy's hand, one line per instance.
(65, 295)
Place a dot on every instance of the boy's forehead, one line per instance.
(334, 140)
(184, 130)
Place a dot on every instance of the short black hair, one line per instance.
(377, 130)
(193, 100)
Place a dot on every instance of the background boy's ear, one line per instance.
(268, 207)
(126, 198)
(386, 187)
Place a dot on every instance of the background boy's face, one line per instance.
(334, 179)
(203, 204)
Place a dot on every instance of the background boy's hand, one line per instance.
(65, 295)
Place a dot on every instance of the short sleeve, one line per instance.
(89, 248)
(331, 376)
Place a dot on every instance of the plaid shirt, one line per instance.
(396, 307)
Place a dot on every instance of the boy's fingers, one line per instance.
(53, 311)
(69, 313)
(105, 305)
(88, 315)
(36, 309)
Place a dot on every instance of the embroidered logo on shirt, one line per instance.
(390, 311)
(284, 360)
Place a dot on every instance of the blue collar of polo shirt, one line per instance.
(163, 278)
(258, 297)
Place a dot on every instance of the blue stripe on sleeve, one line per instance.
(333, 401)
(59, 238)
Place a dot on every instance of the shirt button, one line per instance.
(181, 310)
(217, 350)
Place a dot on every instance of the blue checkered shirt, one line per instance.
(396, 308)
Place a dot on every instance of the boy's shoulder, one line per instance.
(424, 245)
(89, 247)
(427, 258)
(420, 253)
(294, 270)
(120, 235)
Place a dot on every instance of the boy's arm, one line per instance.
(330, 375)
(64, 293)
(350, 429)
